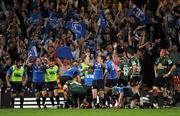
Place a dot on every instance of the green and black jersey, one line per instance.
(75, 87)
(134, 61)
(124, 68)
(163, 65)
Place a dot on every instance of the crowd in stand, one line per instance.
(103, 35)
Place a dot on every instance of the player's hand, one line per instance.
(115, 45)
(166, 75)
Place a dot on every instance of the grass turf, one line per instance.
(90, 112)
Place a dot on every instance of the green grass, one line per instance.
(90, 112)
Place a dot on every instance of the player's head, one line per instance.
(163, 53)
(130, 52)
(19, 63)
(90, 70)
(38, 61)
(124, 53)
(75, 64)
(99, 59)
(109, 56)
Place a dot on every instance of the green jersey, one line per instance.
(52, 74)
(124, 68)
(84, 68)
(75, 87)
(134, 61)
(163, 65)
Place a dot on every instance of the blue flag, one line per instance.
(53, 21)
(64, 52)
(140, 15)
(32, 51)
(102, 20)
(77, 28)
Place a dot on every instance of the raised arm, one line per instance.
(129, 37)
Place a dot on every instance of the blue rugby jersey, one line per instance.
(98, 71)
(109, 65)
(39, 73)
(72, 72)
(88, 79)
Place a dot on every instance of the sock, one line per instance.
(103, 101)
(21, 101)
(44, 100)
(166, 100)
(108, 99)
(155, 98)
(38, 101)
(52, 100)
(75, 102)
(136, 96)
(12, 101)
(95, 102)
(69, 103)
(57, 99)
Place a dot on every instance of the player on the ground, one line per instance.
(74, 93)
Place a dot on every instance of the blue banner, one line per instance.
(77, 28)
(53, 21)
(140, 15)
(64, 52)
(102, 20)
(32, 51)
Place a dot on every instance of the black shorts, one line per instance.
(111, 83)
(136, 80)
(51, 86)
(64, 79)
(98, 84)
(128, 92)
(161, 82)
(89, 90)
(122, 82)
(17, 87)
(38, 87)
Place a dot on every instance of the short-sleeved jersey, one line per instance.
(98, 71)
(16, 74)
(51, 73)
(75, 87)
(134, 61)
(163, 65)
(72, 72)
(124, 68)
(39, 73)
(83, 67)
(88, 79)
(109, 65)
